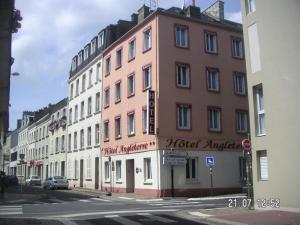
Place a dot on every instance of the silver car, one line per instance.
(56, 182)
(33, 180)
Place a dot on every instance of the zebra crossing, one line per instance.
(54, 201)
(11, 210)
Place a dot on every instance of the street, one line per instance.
(38, 206)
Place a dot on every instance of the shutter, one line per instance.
(263, 160)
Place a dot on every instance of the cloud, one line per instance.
(234, 16)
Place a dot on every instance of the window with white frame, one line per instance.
(86, 52)
(80, 58)
(93, 46)
(183, 75)
(100, 39)
(237, 48)
(239, 83)
(89, 109)
(118, 127)
(130, 123)
(82, 139)
(130, 85)
(144, 118)
(181, 36)
(118, 91)
(213, 79)
(46, 150)
(131, 50)
(106, 97)
(118, 170)
(107, 171)
(74, 63)
(97, 134)
(89, 136)
(69, 142)
(262, 161)
(242, 121)
(250, 6)
(56, 144)
(119, 58)
(214, 119)
(107, 66)
(211, 42)
(82, 110)
(90, 77)
(97, 102)
(191, 169)
(147, 169)
(147, 39)
(76, 169)
(77, 87)
(147, 77)
(184, 116)
(71, 91)
(88, 167)
(75, 140)
(106, 130)
(83, 83)
(260, 110)
(63, 143)
(99, 72)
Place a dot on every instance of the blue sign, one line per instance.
(210, 161)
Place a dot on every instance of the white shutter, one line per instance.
(263, 163)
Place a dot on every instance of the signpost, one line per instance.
(247, 147)
(210, 162)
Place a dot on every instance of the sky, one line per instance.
(53, 31)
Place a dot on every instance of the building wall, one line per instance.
(278, 34)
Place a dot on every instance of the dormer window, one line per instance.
(74, 62)
(93, 46)
(100, 39)
(86, 52)
(80, 58)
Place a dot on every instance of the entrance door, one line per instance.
(62, 168)
(97, 173)
(130, 176)
(81, 173)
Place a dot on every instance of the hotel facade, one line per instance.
(174, 89)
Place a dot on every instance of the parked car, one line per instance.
(56, 182)
(33, 180)
(12, 180)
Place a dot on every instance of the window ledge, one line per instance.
(119, 182)
(261, 135)
(89, 87)
(130, 95)
(192, 182)
(263, 179)
(133, 58)
(97, 146)
(82, 91)
(146, 88)
(81, 149)
(88, 116)
(182, 47)
(75, 122)
(75, 150)
(106, 140)
(88, 179)
(147, 50)
(82, 119)
(75, 179)
(117, 101)
(90, 147)
(107, 182)
(131, 135)
(97, 112)
(148, 182)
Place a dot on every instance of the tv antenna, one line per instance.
(152, 4)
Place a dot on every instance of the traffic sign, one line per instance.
(174, 161)
(246, 144)
(175, 153)
(210, 161)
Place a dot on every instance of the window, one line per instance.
(71, 91)
(214, 119)
(147, 77)
(93, 46)
(74, 63)
(99, 72)
(130, 123)
(242, 121)
(106, 130)
(107, 67)
(239, 80)
(254, 48)
(106, 97)
(46, 150)
(56, 144)
(119, 58)
(75, 140)
(81, 138)
(89, 110)
(69, 142)
(80, 58)
(88, 167)
(89, 136)
(184, 116)
(259, 109)
(118, 127)
(118, 91)
(183, 75)
(144, 118)
(76, 169)
(86, 52)
(191, 169)
(97, 102)
(130, 85)
(83, 83)
(101, 39)
(147, 39)
(77, 87)
(250, 6)
(63, 143)
(213, 80)
(82, 110)
(107, 171)
(97, 134)
(147, 169)
(211, 42)
(70, 116)
(262, 163)
(118, 170)
(90, 77)
(237, 48)
(131, 50)
(181, 36)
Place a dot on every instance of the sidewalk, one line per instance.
(240, 216)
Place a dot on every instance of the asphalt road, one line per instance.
(71, 208)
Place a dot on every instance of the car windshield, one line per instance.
(58, 178)
(35, 177)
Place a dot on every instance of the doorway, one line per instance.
(62, 168)
(97, 173)
(130, 175)
(81, 173)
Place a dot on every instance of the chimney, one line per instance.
(19, 123)
(193, 12)
(134, 18)
(216, 10)
(143, 12)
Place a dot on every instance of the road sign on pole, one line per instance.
(246, 144)
(210, 161)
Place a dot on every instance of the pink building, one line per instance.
(194, 64)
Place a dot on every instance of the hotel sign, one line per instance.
(151, 112)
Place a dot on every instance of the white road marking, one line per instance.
(113, 212)
(101, 199)
(149, 200)
(111, 216)
(174, 203)
(216, 198)
(84, 200)
(126, 198)
(199, 214)
(186, 206)
(125, 221)
(11, 210)
(157, 218)
(68, 222)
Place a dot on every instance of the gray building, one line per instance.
(271, 35)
